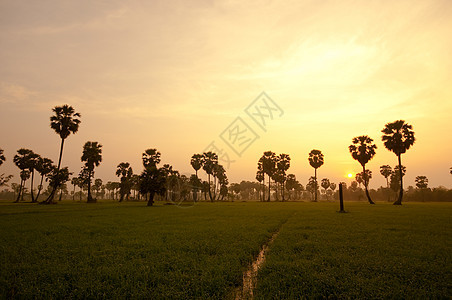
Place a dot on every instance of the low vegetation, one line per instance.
(119, 250)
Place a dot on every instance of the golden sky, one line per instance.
(173, 75)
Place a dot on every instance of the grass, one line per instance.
(380, 251)
(127, 250)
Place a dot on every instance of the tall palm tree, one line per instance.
(196, 162)
(22, 161)
(282, 164)
(260, 177)
(32, 163)
(363, 150)
(125, 172)
(316, 161)
(75, 183)
(210, 160)
(92, 156)
(269, 167)
(44, 166)
(152, 179)
(65, 121)
(24, 175)
(398, 137)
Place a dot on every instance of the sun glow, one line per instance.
(350, 175)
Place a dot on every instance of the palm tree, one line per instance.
(196, 162)
(22, 161)
(152, 179)
(125, 172)
(64, 122)
(2, 157)
(151, 158)
(210, 160)
(332, 186)
(75, 182)
(24, 175)
(33, 160)
(421, 182)
(260, 178)
(325, 183)
(316, 161)
(398, 137)
(44, 166)
(312, 186)
(282, 164)
(268, 161)
(363, 150)
(92, 156)
(386, 172)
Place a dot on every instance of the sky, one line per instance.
(181, 75)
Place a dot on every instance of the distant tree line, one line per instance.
(166, 184)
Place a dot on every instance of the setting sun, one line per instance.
(350, 175)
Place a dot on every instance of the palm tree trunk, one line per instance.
(282, 191)
(366, 183)
(151, 199)
(52, 194)
(399, 201)
(20, 191)
(269, 192)
(276, 190)
(210, 193)
(39, 189)
(315, 188)
(23, 191)
(31, 186)
(90, 198)
(61, 155)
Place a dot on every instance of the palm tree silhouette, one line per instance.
(386, 172)
(210, 159)
(196, 162)
(65, 121)
(44, 166)
(22, 161)
(282, 164)
(363, 150)
(421, 182)
(268, 161)
(125, 172)
(398, 137)
(33, 160)
(325, 183)
(316, 161)
(92, 156)
(2, 157)
(260, 178)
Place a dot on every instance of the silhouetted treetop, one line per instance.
(65, 121)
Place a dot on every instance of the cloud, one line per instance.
(14, 93)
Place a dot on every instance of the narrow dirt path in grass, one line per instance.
(245, 291)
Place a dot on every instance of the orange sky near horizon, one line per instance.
(173, 75)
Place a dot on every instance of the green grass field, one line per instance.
(111, 250)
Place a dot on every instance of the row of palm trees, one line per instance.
(398, 137)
